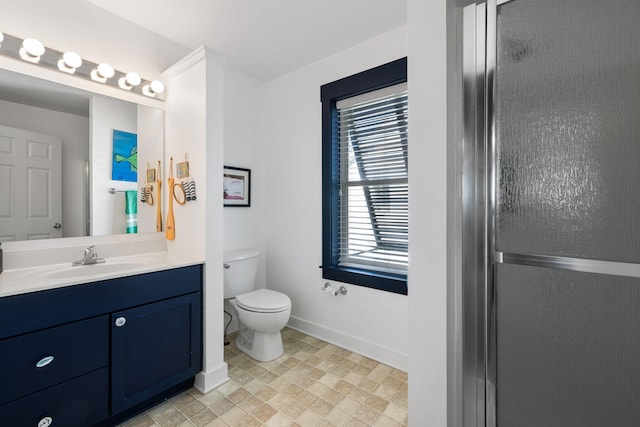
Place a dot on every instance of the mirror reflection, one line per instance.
(70, 160)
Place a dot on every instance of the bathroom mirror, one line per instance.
(36, 116)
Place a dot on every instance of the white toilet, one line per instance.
(261, 313)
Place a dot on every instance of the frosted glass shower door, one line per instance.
(566, 219)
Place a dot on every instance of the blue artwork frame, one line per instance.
(125, 156)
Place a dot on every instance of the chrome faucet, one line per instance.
(90, 257)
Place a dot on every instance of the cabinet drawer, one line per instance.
(81, 402)
(35, 361)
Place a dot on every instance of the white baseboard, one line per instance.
(207, 381)
(366, 348)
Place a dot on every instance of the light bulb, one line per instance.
(157, 86)
(72, 59)
(69, 62)
(31, 50)
(106, 71)
(133, 79)
(130, 80)
(33, 47)
(154, 88)
(102, 73)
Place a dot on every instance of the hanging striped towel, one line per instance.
(132, 211)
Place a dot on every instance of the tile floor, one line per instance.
(313, 383)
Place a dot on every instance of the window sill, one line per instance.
(395, 283)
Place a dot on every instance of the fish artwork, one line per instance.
(125, 156)
(132, 159)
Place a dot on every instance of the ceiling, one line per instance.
(265, 38)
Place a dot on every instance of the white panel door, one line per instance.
(30, 185)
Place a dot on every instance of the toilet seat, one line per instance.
(264, 301)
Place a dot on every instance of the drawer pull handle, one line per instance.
(45, 422)
(120, 321)
(44, 362)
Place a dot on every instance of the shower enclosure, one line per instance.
(551, 213)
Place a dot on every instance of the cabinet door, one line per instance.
(154, 347)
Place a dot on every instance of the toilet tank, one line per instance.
(240, 275)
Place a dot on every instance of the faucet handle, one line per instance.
(90, 251)
(90, 257)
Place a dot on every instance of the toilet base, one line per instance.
(263, 347)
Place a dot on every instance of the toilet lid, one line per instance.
(264, 301)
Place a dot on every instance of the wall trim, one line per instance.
(207, 381)
(366, 348)
(185, 63)
(199, 54)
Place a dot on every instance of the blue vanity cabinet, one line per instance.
(154, 347)
(97, 353)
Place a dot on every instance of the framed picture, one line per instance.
(237, 186)
(125, 156)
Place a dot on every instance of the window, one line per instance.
(365, 178)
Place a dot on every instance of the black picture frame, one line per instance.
(236, 187)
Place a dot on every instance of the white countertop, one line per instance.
(24, 280)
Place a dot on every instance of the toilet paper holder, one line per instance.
(329, 289)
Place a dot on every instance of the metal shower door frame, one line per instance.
(479, 187)
(478, 206)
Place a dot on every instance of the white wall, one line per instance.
(369, 321)
(194, 124)
(74, 132)
(108, 210)
(150, 150)
(429, 253)
(186, 132)
(244, 147)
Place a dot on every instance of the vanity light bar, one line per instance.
(34, 51)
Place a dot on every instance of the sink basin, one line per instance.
(92, 269)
